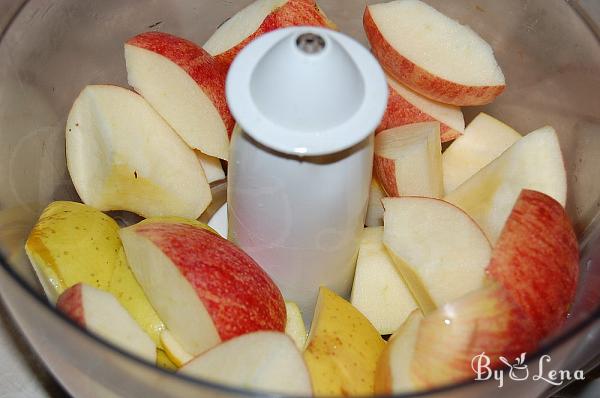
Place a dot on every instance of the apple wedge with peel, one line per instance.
(408, 160)
(100, 312)
(433, 54)
(185, 85)
(485, 139)
(342, 348)
(441, 348)
(378, 291)
(73, 243)
(205, 289)
(438, 249)
(121, 155)
(536, 259)
(374, 216)
(258, 18)
(294, 324)
(266, 362)
(534, 162)
(407, 107)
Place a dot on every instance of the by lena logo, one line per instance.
(519, 371)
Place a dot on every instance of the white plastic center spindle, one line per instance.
(307, 101)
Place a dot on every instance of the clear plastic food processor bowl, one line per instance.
(49, 50)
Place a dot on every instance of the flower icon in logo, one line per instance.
(516, 370)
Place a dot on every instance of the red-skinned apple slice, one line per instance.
(534, 162)
(408, 160)
(485, 139)
(205, 289)
(439, 250)
(440, 348)
(185, 85)
(536, 259)
(122, 155)
(261, 361)
(260, 17)
(406, 107)
(101, 313)
(433, 54)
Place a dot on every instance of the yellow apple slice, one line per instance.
(175, 352)
(268, 362)
(294, 325)
(123, 156)
(439, 250)
(374, 216)
(408, 160)
(440, 348)
(73, 243)
(485, 139)
(101, 313)
(432, 53)
(534, 162)
(342, 348)
(379, 291)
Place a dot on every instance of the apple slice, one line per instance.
(379, 291)
(204, 288)
(73, 243)
(374, 216)
(439, 250)
(534, 162)
(342, 349)
(173, 349)
(123, 156)
(536, 259)
(484, 140)
(440, 348)
(101, 313)
(258, 18)
(212, 167)
(294, 324)
(186, 85)
(407, 107)
(433, 54)
(408, 160)
(262, 361)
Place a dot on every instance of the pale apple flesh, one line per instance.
(378, 291)
(259, 361)
(173, 349)
(260, 17)
(342, 348)
(408, 160)
(374, 217)
(294, 324)
(100, 312)
(212, 167)
(534, 162)
(485, 139)
(407, 107)
(205, 289)
(121, 155)
(439, 250)
(185, 85)
(433, 54)
(536, 259)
